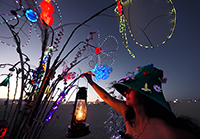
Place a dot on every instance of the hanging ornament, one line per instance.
(31, 15)
(101, 72)
(68, 75)
(98, 50)
(101, 53)
(46, 14)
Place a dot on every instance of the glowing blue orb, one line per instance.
(101, 72)
(31, 15)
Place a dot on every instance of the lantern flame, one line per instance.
(81, 111)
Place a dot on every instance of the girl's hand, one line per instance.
(88, 76)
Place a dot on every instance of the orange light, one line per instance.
(46, 19)
(81, 110)
(46, 14)
(47, 7)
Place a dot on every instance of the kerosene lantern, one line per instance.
(78, 127)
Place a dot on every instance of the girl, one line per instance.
(146, 113)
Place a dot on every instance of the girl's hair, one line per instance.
(153, 109)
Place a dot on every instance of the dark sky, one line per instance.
(178, 57)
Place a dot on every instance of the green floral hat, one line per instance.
(147, 81)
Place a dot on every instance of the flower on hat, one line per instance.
(157, 88)
(146, 89)
(146, 73)
(138, 68)
(163, 80)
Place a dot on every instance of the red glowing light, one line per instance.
(46, 14)
(3, 131)
(47, 7)
(146, 73)
(119, 7)
(46, 18)
(98, 50)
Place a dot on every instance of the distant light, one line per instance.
(31, 15)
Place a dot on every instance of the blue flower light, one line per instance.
(31, 15)
(101, 72)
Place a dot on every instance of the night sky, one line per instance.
(178, 57)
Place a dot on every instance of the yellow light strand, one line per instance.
(172, 12)
(123, 22)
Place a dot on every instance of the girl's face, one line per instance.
(132, 97)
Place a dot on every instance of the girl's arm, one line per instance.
(118, 105)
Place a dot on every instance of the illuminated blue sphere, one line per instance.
(101, 72)
(31, 15)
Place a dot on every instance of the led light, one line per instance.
(31, 15)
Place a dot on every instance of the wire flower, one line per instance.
(101, 53)
(25, 18)
(148, 29)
